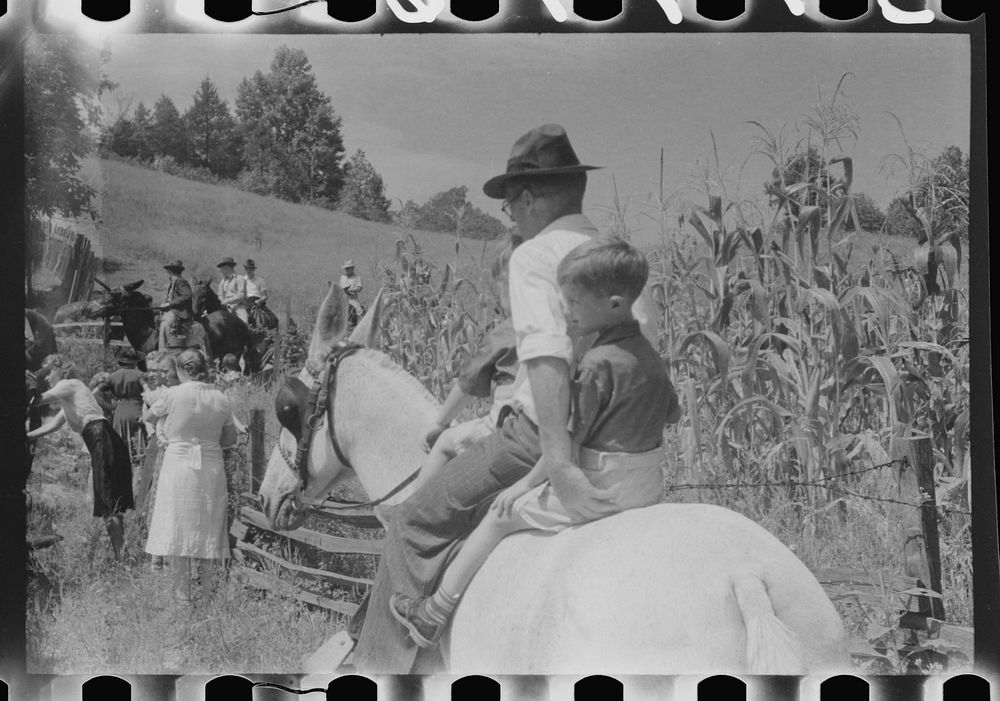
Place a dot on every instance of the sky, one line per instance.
(435, 111)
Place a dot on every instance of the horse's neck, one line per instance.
(380, 415)
(212, 303)
(138, 320)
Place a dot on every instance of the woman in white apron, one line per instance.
(189, 520)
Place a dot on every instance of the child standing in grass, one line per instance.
(621, 399)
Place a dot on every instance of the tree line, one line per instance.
(939, 185)
(282, 138)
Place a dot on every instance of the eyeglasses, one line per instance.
(505, 207)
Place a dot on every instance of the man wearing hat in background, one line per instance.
(233, 289)
(543, 190)
(177, 304)
(256, 288)
(350, 283)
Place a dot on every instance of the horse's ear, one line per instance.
(331, 321)
(367, 329)
(133, 286)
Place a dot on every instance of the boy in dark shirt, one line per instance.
(621, 400)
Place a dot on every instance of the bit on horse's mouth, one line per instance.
(289, 512)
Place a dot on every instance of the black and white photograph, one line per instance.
(648, 355)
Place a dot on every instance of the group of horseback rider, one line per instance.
(244, 295)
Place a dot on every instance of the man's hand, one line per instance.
(577, 494)
(434, 431)
(504, 503)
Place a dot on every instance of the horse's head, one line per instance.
(114, 300)
(203, 297)
(284, 485)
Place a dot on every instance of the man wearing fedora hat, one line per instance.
(177, 303)
(233, 289)
(542, 189)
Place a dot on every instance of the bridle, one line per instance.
(320, 403)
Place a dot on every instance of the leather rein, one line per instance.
(321, 400)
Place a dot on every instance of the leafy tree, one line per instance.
(899, 221)
(870, 217)
(450, 211)
(60, 89)
(443, 210)
(167, 136)
(62, 85)
(363, 195)
(292, 145)
(804, 167)
(212, 132)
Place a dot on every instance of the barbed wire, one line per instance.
(824, 482)
(821, 482)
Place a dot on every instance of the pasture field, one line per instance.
(806, 358)
(150, 218)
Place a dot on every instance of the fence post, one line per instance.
(257, 463)
(921, 455)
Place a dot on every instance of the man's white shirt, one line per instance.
(537, 306)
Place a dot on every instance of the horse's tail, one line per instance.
(772, 648)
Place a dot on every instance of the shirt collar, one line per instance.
(572, 222)
(618, 332)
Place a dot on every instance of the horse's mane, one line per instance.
(387, 363)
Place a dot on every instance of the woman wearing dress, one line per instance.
(161, 373)
(189, 513)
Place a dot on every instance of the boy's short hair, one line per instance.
(229, 361)
(67, 369)
(607, 265)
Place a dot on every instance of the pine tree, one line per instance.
(141, 123)
(212, 132)
(166, 133)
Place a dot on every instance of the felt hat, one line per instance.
(174, 266)
(348, 264)
(542, 151)
(250, 265)
(128, 357)
(226, 261)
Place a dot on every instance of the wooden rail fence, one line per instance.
(68, 255)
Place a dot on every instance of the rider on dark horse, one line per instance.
(178, 327)
(350, 283)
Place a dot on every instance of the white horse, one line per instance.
(667, 589)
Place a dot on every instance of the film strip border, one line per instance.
(965, 687)
(475, 11)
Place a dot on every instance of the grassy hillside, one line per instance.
(151, 217)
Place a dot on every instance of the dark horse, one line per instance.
(226, 332)
(42, 342)
(135, 310)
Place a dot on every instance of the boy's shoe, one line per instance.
(412, 613)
